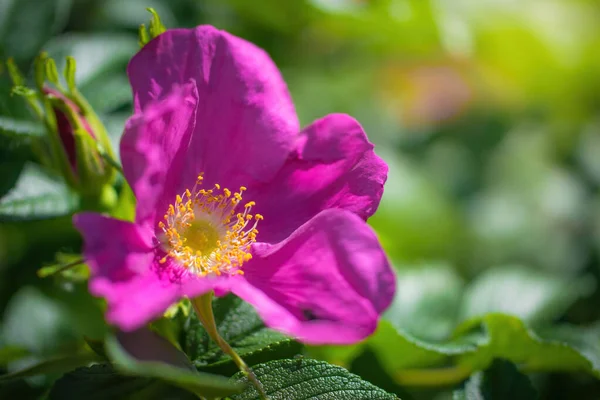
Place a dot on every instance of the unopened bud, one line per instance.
(77, 140)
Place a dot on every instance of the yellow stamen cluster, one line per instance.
(204, 233)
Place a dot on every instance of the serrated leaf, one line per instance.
(584, 339)
(533, 296)
(144, 353)
(500, 381)
(36, 196)
(509, 338)
(304, 379)
(103, 382)
(245, 332)
(415, 362)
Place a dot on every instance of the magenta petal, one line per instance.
(124, 270)
(246, 121)
(334, 166)
(153, 150)
(327, 283)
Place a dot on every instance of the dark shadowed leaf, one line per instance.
(502, 380)
(145, 354)
(103, 382)
(243, 329)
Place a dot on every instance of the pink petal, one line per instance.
(125, 271)
(327, 283)
(153, 150)
(246, 121)
(334, 166)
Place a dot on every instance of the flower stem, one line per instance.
(203, 307)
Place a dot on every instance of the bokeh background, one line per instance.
(487, 111)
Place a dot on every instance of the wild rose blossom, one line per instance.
(233, 197)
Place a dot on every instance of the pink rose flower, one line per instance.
(233, 196)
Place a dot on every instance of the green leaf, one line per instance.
(53, 366)
(584, 339)
(303, 379)
(71, 266)
(144, 353)
(101, 382)
(37, 196)
(411, 361)
(415, 362)
(15, 127)
(12, 353)
(25, 25)
(108, 92)
(426, 302)
(533, 296)
(243, 329)
(500, 381)
(509, 338)
(97, 382)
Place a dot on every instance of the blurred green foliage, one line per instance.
(488, 113)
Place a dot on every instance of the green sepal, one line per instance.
(52, 72)
(144, 36)
(15, 74)
(69, 73)
(156, 26)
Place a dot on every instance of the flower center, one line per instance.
(203, 231)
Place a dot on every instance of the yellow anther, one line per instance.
(206, 234)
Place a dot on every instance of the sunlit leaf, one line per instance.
(304, 379)
(36, 196)
(530, 295)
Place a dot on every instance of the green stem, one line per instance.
(63, 268)
(203, 307)
(111, 161)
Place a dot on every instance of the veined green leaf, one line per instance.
(304, 379)
(243, 329)
(37, 196)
